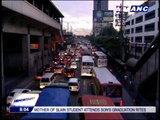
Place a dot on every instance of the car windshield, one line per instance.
(73, 84)
(59, 66)
(69, 70)
(87, 63)
(45, 80)
(25, 91)
(12, 93)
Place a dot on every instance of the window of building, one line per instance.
(132, 21)
(150, 15)
(139, 29)
(148, 39)
(127, 31)
(151, 3)
(99, 5)
(138, 39)
(127, 23)
(139, 49)
(132, 30)
(132, 39)
(139, 19)
(150, 27)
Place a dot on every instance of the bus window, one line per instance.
(113, 91)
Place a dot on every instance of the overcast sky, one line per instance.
(78, 14)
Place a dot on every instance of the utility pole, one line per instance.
(2, 67)
(121, 17)
(68, 26)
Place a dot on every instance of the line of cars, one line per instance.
(64, 64)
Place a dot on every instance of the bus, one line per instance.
(106, 84)
(94, 100)
(52, 95)
(87, 66)
(100, 59)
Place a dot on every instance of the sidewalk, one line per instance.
(129, 96)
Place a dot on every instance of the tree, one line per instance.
(109, 39)
(109, 31)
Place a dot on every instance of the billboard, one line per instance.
(103, 15)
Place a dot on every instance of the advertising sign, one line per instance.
(103, 15)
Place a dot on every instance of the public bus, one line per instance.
(106, 84)
(94, 100)
(52, 95)
(100, 59)
(87, 66)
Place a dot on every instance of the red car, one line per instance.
(69, 73)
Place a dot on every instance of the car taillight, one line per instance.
(121, 103)
(8, 99)
(38, 77)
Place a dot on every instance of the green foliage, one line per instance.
(109, 39)
(109, 31)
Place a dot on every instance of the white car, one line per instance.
(73, 65)
(46, 79)
(74, 84)
(11, 95)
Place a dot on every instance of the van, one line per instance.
(74, 84)
(46, 79)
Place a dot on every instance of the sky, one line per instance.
(78, 15)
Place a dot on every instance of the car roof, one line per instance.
(35, 91)
(19, 90)
(75, 80)
(48, 75)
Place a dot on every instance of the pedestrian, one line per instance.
(125, 79)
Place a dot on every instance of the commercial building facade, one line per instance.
(30, 31)
(102, 17)
(141, 28)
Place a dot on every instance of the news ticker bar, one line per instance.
(86, 109)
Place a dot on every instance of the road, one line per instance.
(85, 88)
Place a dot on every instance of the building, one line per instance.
(100, 4)
(141, 28)
(102, 17)
(31, 30)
